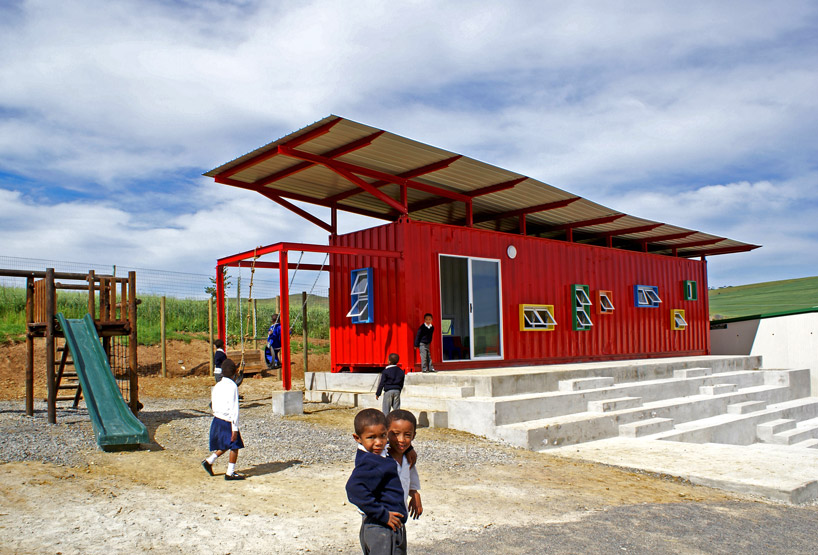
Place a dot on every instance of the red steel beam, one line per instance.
(527, 210)
(386, 199)
(301, 166)
(275, 266)
(671, 237)
(429, 168)
(305, 247)
(692, 244)
(220, 303)
(300, 211)
(432, 202)
(584, 223)
(336, 165)
(723, 250)
(629, 230)
(284, 318)
(317, 132)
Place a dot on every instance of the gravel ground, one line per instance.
(183, 424)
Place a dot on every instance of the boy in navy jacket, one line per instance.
(375, 488)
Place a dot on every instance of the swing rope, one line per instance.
(314, 283)
(249, 306)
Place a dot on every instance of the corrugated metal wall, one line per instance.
(542, 273)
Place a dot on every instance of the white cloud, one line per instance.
(641, 104)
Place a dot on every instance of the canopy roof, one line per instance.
(345, 165)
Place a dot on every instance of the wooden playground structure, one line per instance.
(112, 304)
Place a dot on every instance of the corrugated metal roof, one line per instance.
(309, 173)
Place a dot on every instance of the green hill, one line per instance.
(763, 298)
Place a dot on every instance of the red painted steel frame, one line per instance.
(282, 249)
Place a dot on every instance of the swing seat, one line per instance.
(254, 361)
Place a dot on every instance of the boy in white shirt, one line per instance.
(401, 428)
(224, 430)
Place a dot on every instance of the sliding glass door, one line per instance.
(470, 308)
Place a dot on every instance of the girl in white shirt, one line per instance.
(224, 430)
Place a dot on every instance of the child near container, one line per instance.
(391, 384)
(375, 488)
(401, 426)
(224, 430)
(218, 358)
(423, 338)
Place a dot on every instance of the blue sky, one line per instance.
(698, 114)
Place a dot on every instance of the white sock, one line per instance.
(231, 469)
(212, 458)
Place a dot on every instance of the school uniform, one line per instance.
(375, 488)
(218, 358)
(409, 478)
(224, 399)
(391, 384)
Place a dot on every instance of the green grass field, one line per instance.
(185, 318)
(763, 298)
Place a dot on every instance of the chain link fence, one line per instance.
(186, 299)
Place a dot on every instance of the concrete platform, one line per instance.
(783, 473)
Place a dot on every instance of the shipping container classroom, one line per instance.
(514, 271)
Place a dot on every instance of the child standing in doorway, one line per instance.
(423, 338)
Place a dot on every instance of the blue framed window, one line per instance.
(646, 296)
(361, 311)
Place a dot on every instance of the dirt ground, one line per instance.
(160, 500)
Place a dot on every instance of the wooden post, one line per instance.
(50, 308)
(92, 284)
(29, 347)
(304, 327)
(133, 363)
(162, 337)
(255, 333)
(210, 332)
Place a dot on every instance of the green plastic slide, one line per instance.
(114, 424)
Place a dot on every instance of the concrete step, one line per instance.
(646, 427)
(500, 411)
(718, 389)
(745, 407)
(569, 429)
(767, 430)
(742, 429)
(609, 405)
(807, 444)
(446, 392)
(581, 384)
(803, 431)
(692, 372)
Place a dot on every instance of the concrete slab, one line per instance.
(776, 472)
(288, 402)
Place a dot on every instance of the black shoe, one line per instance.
(241, 397)
(208, 467)
(234, 476)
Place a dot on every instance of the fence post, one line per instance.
(51, 378)
(304, 327)
(29, 347)
(133, 364)
(162, 337)
(210, 331)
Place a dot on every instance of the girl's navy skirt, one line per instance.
(220, 433)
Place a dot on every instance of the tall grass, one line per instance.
(185, 319)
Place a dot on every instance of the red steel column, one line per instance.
(220, 303)
(284, 317)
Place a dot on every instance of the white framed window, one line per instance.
(581, 304)
(646, 296)
(537, 317)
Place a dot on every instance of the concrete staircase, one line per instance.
(721, 399)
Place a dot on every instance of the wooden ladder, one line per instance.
(72, 381)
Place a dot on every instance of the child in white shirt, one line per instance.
(401, 428)
(224, 430)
